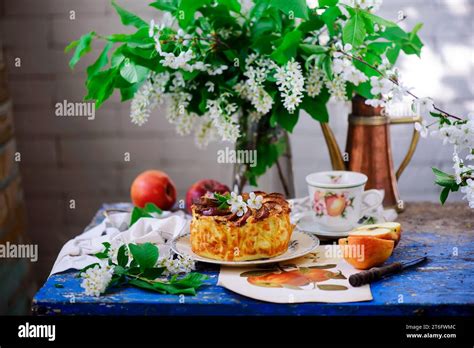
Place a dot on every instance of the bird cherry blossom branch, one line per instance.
(395, 81)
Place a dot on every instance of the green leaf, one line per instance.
(129, 18)
(440, 173)
(146, 211)
(287, 48)
(329, 17)
(327, 67)
(133, 73)
(281, 116)
(145, 285)
(415, 30)
(316, 108)
(444, 179)
(101, 61)
(171, 289)
(187, 9)
(232, 5)
(153, 273)
(137, 214)
(364, 90)
(191, 280)
(378, 20)
(120, 270)
(298, 8)
(392, 54)
(379, 47)
(444, 194)
(101, 86)
(413, 44)
(122, 256)
(105, 253)
(145, 254)
(152, 208)
(165, 5)
(395, 34)
(314, 23)
(263, 26)
(354, 31)
(257, 11)
(323, 3)
(139, 37)
(313, 49)
(82, 46)
(127, 93)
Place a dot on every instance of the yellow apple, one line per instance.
(386, 230)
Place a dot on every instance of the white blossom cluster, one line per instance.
(96, 279)
(224, 117)
(384, 89)
(239, 207)
(186, 58)
(205, 133)
(177, 108)
(315, 81)
(343, 70)
(252, 89)
(370, 5)
(148, 97)
(290, 82)
(176, 265)
(458, 134)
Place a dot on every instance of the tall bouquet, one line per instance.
(236, 70)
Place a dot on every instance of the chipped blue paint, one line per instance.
(442, 286)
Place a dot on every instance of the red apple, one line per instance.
(200, 188)
(153, 186)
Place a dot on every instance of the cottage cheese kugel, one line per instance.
(219, 234)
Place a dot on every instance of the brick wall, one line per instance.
(65, 158)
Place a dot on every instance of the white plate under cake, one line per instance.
(261, 233)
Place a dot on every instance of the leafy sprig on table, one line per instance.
(136, 265)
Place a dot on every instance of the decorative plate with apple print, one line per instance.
(291, 276)
(320, 276)
(332, 203)
(301, 243)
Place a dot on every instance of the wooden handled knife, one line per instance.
(376, 273)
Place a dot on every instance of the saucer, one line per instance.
(307, 223)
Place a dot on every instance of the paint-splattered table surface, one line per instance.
(443, 286)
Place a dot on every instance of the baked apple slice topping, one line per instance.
(272, 204)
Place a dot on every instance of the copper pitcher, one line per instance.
(368, 149)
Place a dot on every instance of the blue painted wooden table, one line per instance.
(443, 286)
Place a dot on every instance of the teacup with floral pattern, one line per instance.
(337, 199)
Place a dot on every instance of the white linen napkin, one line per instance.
(79, 252)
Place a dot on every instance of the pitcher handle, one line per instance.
(337, 161)
(414, 141)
